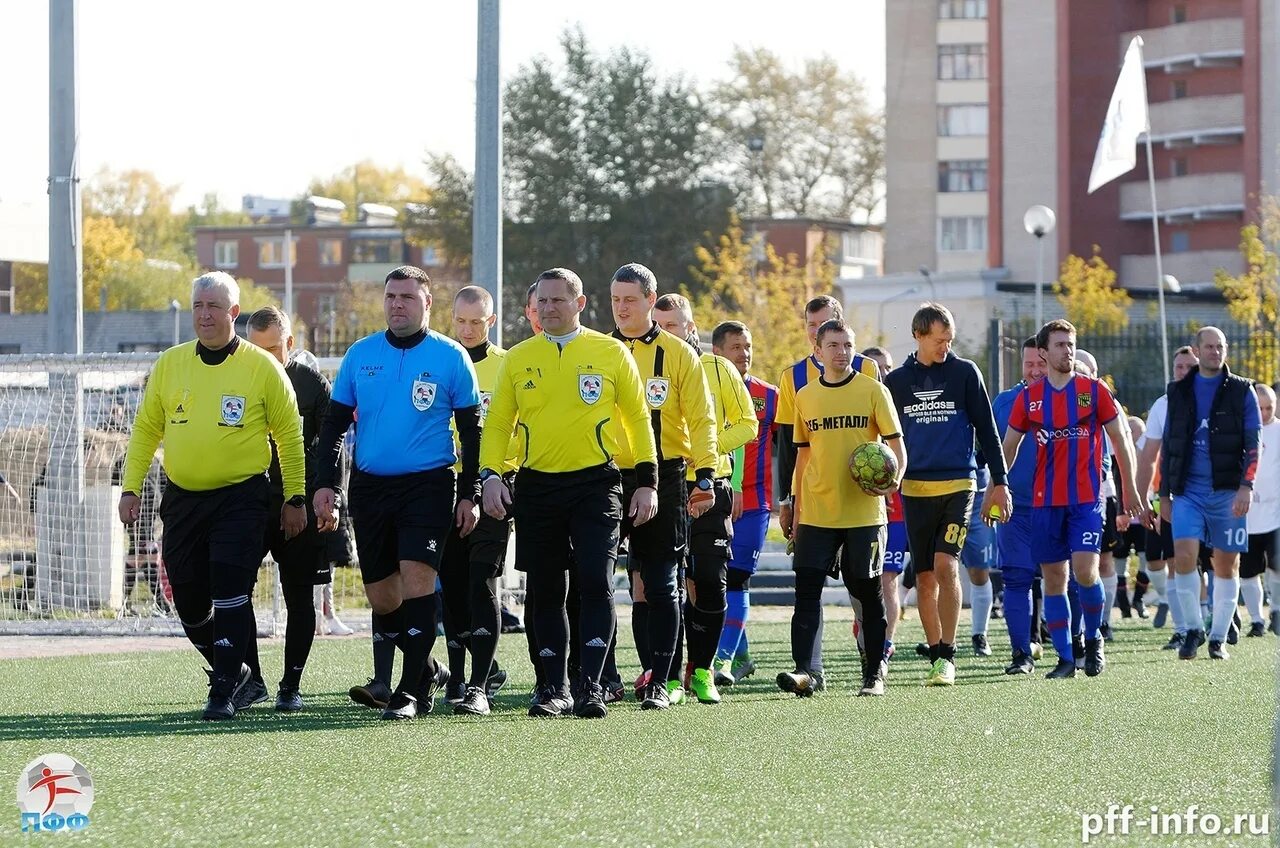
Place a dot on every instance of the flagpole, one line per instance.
(1155, 217)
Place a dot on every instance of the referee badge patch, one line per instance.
(232, 410)
(589, 387)
(424, 394)
(656, 390)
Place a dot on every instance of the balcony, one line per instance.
(1198, 120)
(1198, 197)
(370, 272)
(1192, 268)
(1212, 43)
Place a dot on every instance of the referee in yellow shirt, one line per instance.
(841, 530)
(217, 403)
(711, 534)
(556, 392)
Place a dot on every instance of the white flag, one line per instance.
(1126, 120)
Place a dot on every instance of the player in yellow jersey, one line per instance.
(556, 392)
(217, 403)
(685, 433)
(711, 534)
(840, 528)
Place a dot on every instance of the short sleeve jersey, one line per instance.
(405, 398)
(757, 472)
(1067, 427)
(831, 420)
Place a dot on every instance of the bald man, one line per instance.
(1263, 519)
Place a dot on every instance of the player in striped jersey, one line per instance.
(896, 553)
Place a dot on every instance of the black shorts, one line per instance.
(1131, 541)
(855, 553)
(301, 560)
(1160, 545)
(711, 534)
(400, 517)
(217, 526)
(1110, 535)
(936, 524)
(571, 516)
(483, 550)
(1260, 556)
(664, 536)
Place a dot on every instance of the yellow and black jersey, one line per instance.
(800, 374)
(215, 420)
(831, 420)
(564, 404)
(487, 359)
(732, 406)
(675, 390)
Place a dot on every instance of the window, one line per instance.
(1178, 14)
(330, 251)
(430, 256)
(957, 234)
(326, 305)
(962, 61)
(962, 9)
(226, 254)
(1179, 242)
(271, 252)
(962, 175)
(965, 119)
(9, 349)
(1179, 89)
(377, 250)
(1179, 166)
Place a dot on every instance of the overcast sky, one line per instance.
(245, 97)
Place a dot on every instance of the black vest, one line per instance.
(1226, 432)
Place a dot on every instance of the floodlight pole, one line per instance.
(486, 228)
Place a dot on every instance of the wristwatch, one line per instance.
(297, 500)
(704, 483)
(485, 474)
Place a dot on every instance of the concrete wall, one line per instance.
(104, 332)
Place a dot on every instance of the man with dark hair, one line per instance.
(1067, 413)
(817, 312)
(1013, 536)
(943, 405)
(1208, 459)
(841, 527)
(217, 405)
(301, 560)
(685, 433)
(408, 383)
(556, 392)
(711, 534)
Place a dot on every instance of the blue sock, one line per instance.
(735, 623)
(1093, 599)
(744, 650)
(1017, 608)
(1073, 598)
(1057, 617)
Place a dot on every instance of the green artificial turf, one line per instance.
(993, 761)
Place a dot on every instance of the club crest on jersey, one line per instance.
(656, 390)
(590, 387)
(758, 403)
(485, 399)
(232, 410)
(1083, 401)
(424, 394)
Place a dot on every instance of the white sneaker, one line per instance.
(337, 628)
(1037, 651)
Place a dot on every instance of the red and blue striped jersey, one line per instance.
(1067, 425)
(895, 508)
(757, 475)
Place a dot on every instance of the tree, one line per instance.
(445, 222)
(1253, 297)
(138, 202)
(823, 145)
(768, 297)
(367, 182)
(1090, 298)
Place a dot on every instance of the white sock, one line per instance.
(1173, 598)
(1109, 584)
(981, 598)
(1273, 586)
(1251, 589)
(1188, 587)
(1225, 592)
(1159, 586)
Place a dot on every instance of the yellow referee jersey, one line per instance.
(215, 421)
(734, 412)
(800, 374)
(486, 379)
(831, 420)
(559, 404)
(675, 389)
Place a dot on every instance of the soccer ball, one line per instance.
(873, 466)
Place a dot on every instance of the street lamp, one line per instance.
(888, 300)
(928, 278)
(1172, 284)
(174, 308)
(1039, 221)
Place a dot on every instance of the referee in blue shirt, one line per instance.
(400, 387)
